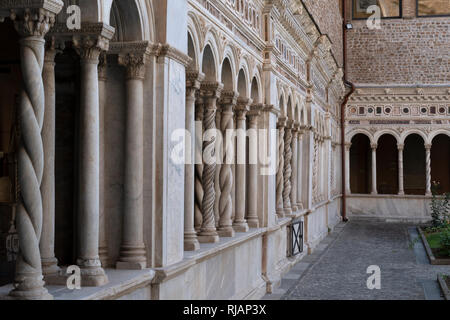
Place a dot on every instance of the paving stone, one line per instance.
(341, 271)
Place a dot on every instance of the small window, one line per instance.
(389, 8)
(433, 8)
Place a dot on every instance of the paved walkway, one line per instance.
(337, 270)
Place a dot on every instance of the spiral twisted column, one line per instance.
(294, 167)
(252, 211)
(132, 252)
(241, 109)
(32, 25)
(228, 101)
(89, 49)
(280, 168)
(428, 169)
(193, 80)
(287, 173)
(315, 176)
(198, 184)
(210, 93)
(47, 244)
(219, 156)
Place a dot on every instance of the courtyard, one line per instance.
(337, 269)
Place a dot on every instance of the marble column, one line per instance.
(219, 155)
(240, 223)
(374, 147)
(348, 146)
(280, 168)
(132, 251)
(252, 192)
(210, 93)
(401, 189)
(193, 80)
(315, 173)
(428, 169)
(294, 168)
(228, 102)
(47, 243)
(198, 184)
(300, 169)
(89, 171)
(102, 80)
(287, 173)
(31, 25)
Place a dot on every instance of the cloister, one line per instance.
(87, 117)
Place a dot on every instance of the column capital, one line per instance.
(89, 48)
(281, 122)
(229, 98)
(348, 145)
(400, 146)
(428, 146)
(211, 89)
(255, 112)
(53, 46)
(134, 64)
(193, 80)
(374, 146)
(32, 18)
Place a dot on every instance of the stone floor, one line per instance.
(337, 269)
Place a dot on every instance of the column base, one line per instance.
(240, 227)
(31, 287)
(253, 223)
(208, 239)
(300, 206)
(132, 257)
(226, 232)
(49, 267)
(374, 193)
(294, 208)
(190, 242)
(280, 213)
(401, 193)
(103, 254)
(92, 274)
(428, 194)
(287, 211)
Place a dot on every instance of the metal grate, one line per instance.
(296, 238)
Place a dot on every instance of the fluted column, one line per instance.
(240, 223)
(210, 93)
(89, 188)
(47, 243)
(348, 145)
(401, 189)
(228, 102)
(132, 251)
(252, 192)
(374, 147)
(428, 169)
(191, 243)
(315, 174)
(32, 25)
(280, 168)
(102, 79)
(294, 168)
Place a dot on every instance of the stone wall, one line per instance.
(404, 51)
(328, 17)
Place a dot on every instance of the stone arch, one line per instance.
(290, 113)
(407, 133)
(131, 20)
(440, 158)
(391, 132)
(227, 75)
(353, 133)
(360, 164)
(255, 91)
(387, 164)
(242, 86)
(228, 65)
(282, 104)
(210, 57)
(434, 134)
(414, 175)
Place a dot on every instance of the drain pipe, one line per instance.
(344, 103)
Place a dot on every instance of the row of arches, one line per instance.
(387, 167)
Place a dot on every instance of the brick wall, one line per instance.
(327, 14)
(403, 51)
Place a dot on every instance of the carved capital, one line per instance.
(135, 65)
(229, 98)
(89, 48)
(374, 146)
(194, 80)
(428, 146)
(400, 147)
(241, 112)
(35, 18)
(53, 46)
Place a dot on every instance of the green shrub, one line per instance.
(445, 240)
(440, 208)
